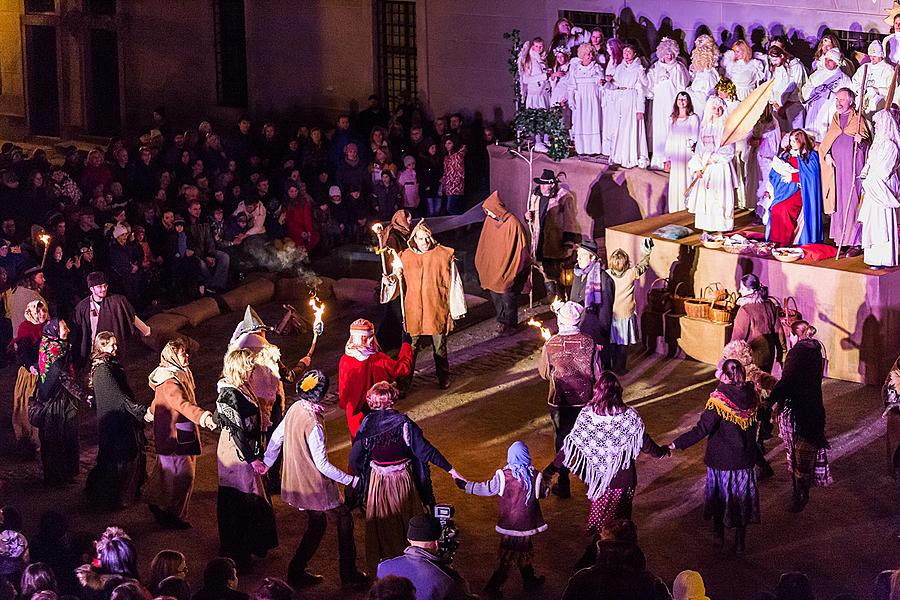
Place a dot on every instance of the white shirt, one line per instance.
(315, 439)
(256, 219)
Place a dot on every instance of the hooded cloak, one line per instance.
(502, 248)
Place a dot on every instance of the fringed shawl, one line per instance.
(742, 417)
(600, 446)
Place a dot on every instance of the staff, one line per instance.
(859, 120)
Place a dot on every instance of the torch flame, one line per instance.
(44, 238)
(545, 333)
(318, 310)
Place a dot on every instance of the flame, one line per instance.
(545, 333)
(377, 227)
(318, 310)
(45, 239)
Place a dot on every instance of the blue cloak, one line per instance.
(810, 192)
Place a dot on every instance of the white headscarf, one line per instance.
(712, 126)
(886, 127)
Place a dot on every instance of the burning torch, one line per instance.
(545, 333)
(45, 239)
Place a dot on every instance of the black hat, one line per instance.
(96, 278)
(313, 386)
(423, 528)
(548, 177)
(178, 220)
(29, 272)
(589, 245)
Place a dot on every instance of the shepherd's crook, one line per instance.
(859, 120)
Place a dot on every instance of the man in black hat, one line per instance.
(594, 289)
(554, 231)
(309, 482)
(29, 288)
(102, 311)
(432, 576)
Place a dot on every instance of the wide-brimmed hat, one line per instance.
(547, 177)
(589, 245)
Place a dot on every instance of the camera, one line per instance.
(448, 543)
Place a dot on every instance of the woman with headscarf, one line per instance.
(116, 479)
(26, 343)
(175, 416)
(756, 323)
(711, 199)
(797, 400)
(54, 409)
(602, 450)
(245, 517)
(394, 239)
(794, 215)
(520, 488)
(391, 456)
(729, 424)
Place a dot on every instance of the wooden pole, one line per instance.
(859, 120)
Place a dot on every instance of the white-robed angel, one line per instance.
(680, 142)
(789, 77)
(704, 60)
(534, 82)
(626, 89)
(711, 200)
(614, 51)
(878, 81)
(891, 43)
(667, 77)
(880, 186)
(559, 90)
(820, 91)
(745, 71)
(583, 85)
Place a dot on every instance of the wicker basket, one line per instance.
(698, 308)
(722, 311)
(659, 299)
(678, 300)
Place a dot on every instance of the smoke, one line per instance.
(285, 258)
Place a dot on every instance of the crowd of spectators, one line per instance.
(57, 564)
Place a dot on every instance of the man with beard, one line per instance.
(27, 290)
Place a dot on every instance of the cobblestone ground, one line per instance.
(846, 535)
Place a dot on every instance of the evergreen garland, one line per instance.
(513, 62)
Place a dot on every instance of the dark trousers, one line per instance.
(312, 537)
(390, 328)
(439, 348)
(506, 305)
(563, 419)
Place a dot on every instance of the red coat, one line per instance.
(298, 220)
(356, 377)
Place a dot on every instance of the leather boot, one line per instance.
(492, 589)
(530, 581)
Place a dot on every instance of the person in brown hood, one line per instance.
(502, 260)
(175, 415)
(434, 294)
(394, 239)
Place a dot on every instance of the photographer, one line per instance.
(432, 576)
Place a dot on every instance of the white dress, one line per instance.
(878, 213)
(583, 84)
(666, 80)
(702, 87)
(746, 76)
(680, 141)
(891, 45)
(535, 86)
(608, 114)
(628, 97)
(819, 95)
(878, 79)
(712, 199)
(558, 92)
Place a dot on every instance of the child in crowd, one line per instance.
(431, 171)
(624, 326)
(409, 182)
(520, 488)
(343, 218)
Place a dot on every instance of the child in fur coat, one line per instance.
(520, 488)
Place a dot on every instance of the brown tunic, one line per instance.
(428, 278)
(757, 324)
(302, 484)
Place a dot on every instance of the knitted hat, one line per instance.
(569, 315)
(96, 278)
(423, 528)
(834, 54)
(362, 327)
(688, 585)
(313, 386)
(334, 191)
(875, 49)
(118, 230)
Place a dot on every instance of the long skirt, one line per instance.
(614, 503)
(783, 220)
(391, 503)
(171, 484)
(805, 461)
(116, 483)
(25, 435)
(731, 497)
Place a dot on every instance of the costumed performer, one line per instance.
(711, 200)
(881, 189)
(667, 78)
(795, 214)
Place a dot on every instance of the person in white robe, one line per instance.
(614, 51)
(704, 60)
(680, 142)
(534, 83)
(829, 41)
(891, 43)
(764, 143)
(627, 89)
(711, 199)
(789, 76)
(598, 46)
(878, 80)
(667, 77)
(878, 213)
(745, 71)
(583, 83)
(819, 94)
(559, 90)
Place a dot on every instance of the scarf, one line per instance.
(52, 348)
(31, 311)
(518, 461)
(742, 417)
(359, 350)
(593, 289)
(599, 446)
(171, 368)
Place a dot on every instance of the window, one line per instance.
(40, 6)
(396, 48)
(590, 20)
(856, 41)
(101, 8)
(231, 53)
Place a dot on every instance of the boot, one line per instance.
(800, 496)
(530, 581)
(492, 589)
(740, 540)
(561, 488)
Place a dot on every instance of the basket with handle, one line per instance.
(659, 299)
(698, 308)
(722, 311)
(678, 300)
(788, 313)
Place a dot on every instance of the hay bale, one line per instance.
(258, 292)
(158, 339)
(357, 291)
(197, 311)
(166, 321)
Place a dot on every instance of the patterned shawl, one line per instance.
(599, 446)
(729, 411)
(51, 349)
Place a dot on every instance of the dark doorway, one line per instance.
(104, 116)
(43, 91)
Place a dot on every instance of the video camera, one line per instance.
(448, 543)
